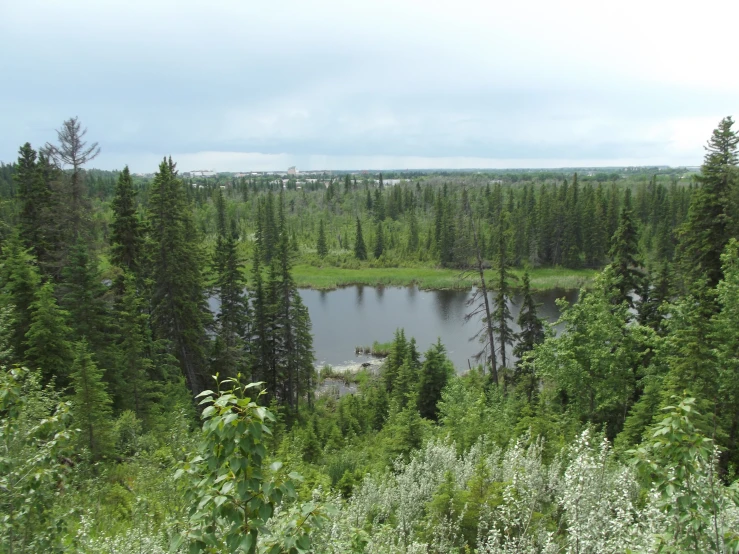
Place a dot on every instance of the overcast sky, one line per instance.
(259, 85)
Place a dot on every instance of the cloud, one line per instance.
(373, 82)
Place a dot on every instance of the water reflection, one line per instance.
(345, 318)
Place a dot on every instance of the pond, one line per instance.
(358, 315)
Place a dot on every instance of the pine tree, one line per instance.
(179, 311)
(91, 404)
(705, 233)
(126, 239)
(435, 373)
(321, 247)
(360, 250)
(48, 339)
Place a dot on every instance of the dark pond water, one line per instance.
(348, 317)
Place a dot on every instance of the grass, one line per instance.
(429, 278)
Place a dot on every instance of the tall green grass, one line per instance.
(328, 278)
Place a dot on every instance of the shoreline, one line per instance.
(426, 278)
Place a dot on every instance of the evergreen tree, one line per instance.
(502, 313)
(398, 353)
(19, 281)
(434, 375)
(179, 311)
(532, 327)
(35, 197)
(233, 315)
(134, 386)
(91, 404)
(48, 338)
(321, 247)
(72, 150)
(360, 250)
(379, 247)
(412, 233)
(83, 297)
(625, 257)
(126, 239)
(703, 237)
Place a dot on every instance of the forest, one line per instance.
(135, 418)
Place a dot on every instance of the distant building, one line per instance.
(292, 171)
(203, 173)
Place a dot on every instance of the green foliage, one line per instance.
(35, 440)
(321, 246)
(681, 464)
(233, 492)
(91, 404)
(706, 230)
(48, 338)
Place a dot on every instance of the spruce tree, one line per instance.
(179, 310)
(379, 246)
(360, 250)
(83, 297)
(412, 233)
(625, 259)
(532, 327)
(321, 247)
(35, 198)
(126, 239)
(233, 316)
(502, 313)
(48, 347)
(706, 232)
(19, 281)
(134, 385)
(91, 404)
(434, 375)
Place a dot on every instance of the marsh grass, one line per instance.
(429, 278)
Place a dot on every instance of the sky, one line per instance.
(239, 85)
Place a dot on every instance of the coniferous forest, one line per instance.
(159, 392)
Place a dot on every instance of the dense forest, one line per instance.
(134, 417)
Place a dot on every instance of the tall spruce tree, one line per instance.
(179, 311)
(126, 239)
(19, 281)
(360, 250)
(532, 327)
(91, 404)
(321, 247)
(48, 346)
(625, 259)
(434, 375)
(72, 150)
(707, 230)
(233, 316)
(35, 198)
(83, 297)
(379, 246)
(502, 313)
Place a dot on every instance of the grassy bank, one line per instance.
(328, 278)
